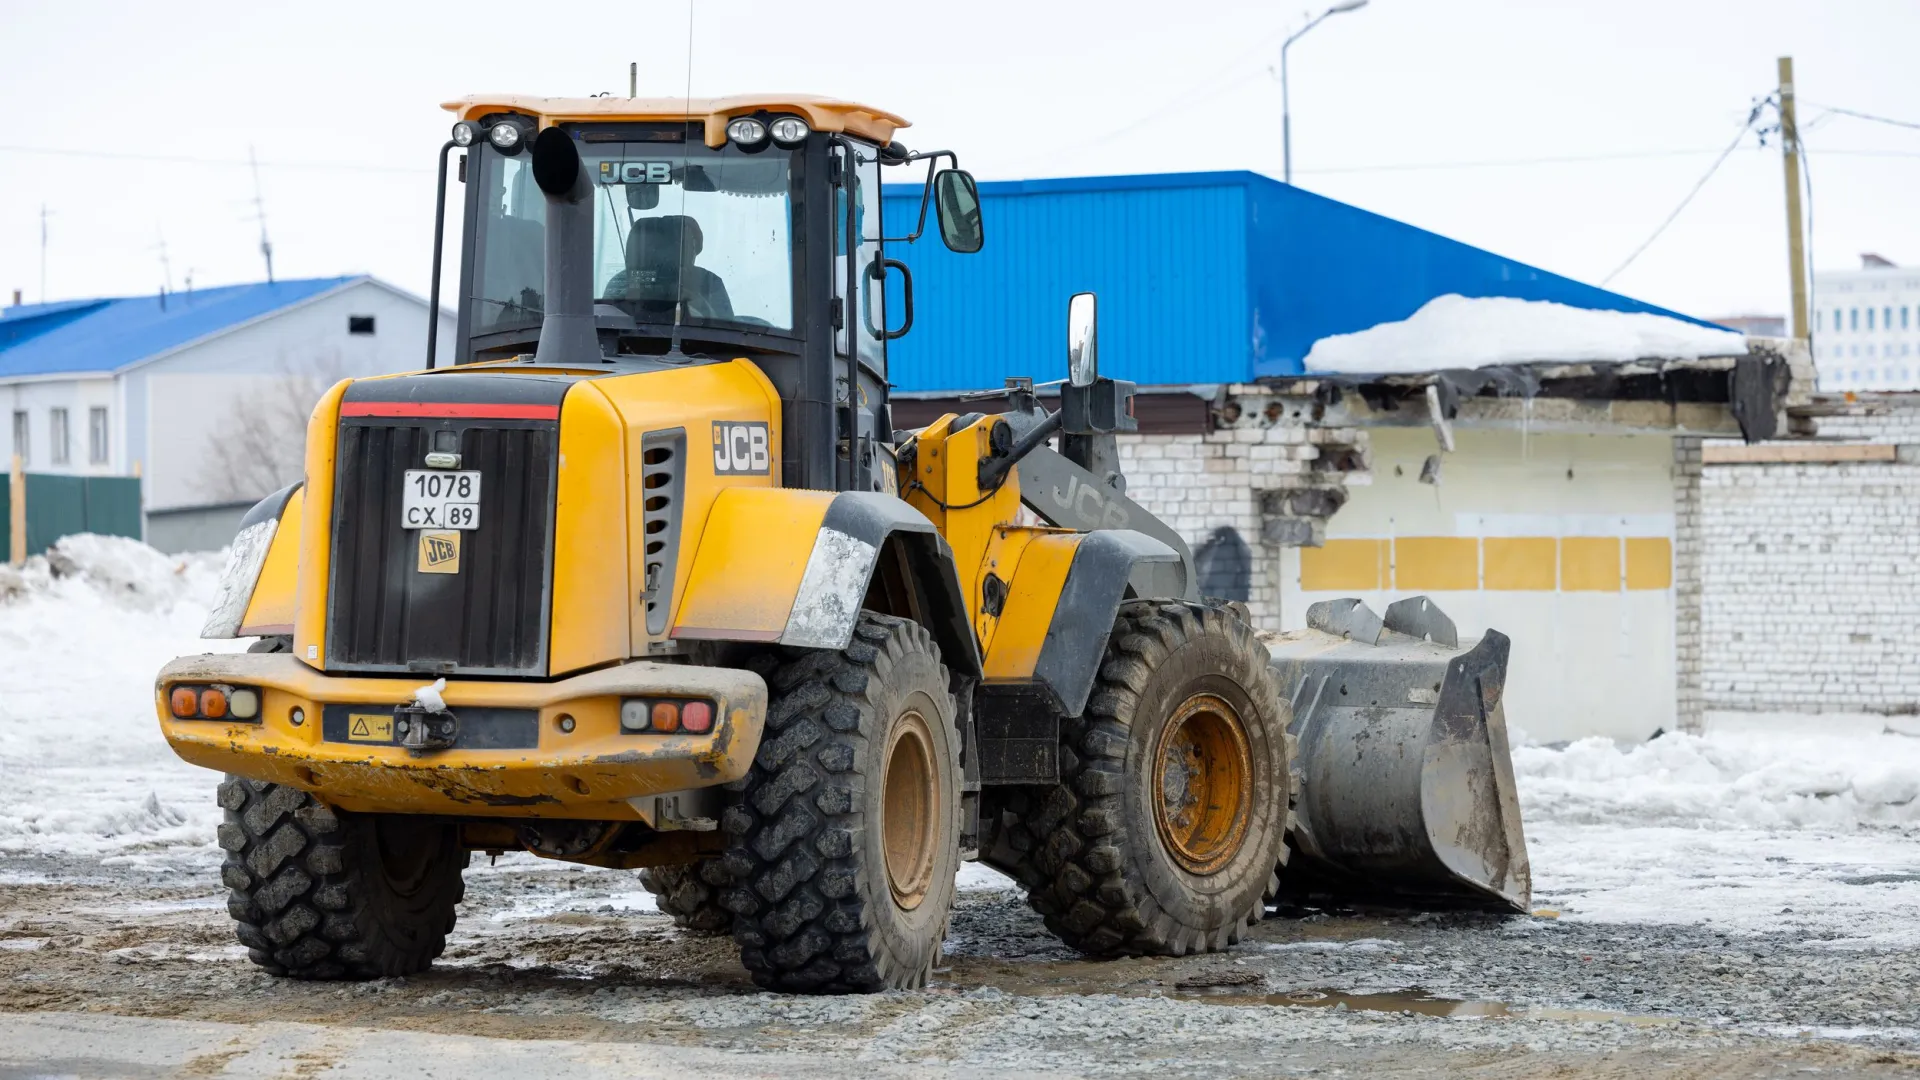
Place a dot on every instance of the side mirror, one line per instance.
(1089, 404)
(957, 202)
(1083, 353)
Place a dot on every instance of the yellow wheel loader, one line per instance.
(646, 579)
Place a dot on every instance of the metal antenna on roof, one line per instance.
(43, 253)
(633, 79)
(260, 213)
(686, 165)
(166, 267)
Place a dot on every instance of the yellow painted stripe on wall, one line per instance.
(1494, 563)
(1344, 565)
(1521, 563)
(1590, 564)
(1440, 563)
(1649, 562)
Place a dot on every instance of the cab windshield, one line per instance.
(676, 225)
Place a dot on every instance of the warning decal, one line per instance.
(369, 727)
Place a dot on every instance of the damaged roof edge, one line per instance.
(1763, 394)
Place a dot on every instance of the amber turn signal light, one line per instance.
(654, 716)
(218, 702)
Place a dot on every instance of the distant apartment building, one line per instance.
(1866, 326)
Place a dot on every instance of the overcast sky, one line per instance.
(1436, 112)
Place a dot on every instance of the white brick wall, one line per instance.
(1688, 586)
(1812, 579)
(1198, 483)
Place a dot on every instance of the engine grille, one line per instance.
(489, 618)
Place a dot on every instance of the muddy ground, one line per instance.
(554, 970)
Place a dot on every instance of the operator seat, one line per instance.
(660, 270)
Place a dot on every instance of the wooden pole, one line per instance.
(17, 512)
(1796, 239)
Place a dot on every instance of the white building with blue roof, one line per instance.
(204, 394)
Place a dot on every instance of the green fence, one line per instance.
(60, 506)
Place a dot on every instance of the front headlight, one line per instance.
(789, 131)
(242, 572)
(505, 137)
(747, 131)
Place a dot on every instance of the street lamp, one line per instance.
(1286, 117)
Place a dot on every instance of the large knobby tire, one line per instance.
(845, 843)
(691, 894)
(1163, 835)
(317, 893)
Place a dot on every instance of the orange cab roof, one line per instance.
(820, 113)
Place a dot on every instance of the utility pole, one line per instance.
(260, 213)
(1796, 240)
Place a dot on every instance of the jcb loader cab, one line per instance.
(645, 578)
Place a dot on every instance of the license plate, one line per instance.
(440, 499)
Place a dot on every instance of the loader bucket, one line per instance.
(1404, 783)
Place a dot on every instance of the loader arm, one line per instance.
(1067, 494)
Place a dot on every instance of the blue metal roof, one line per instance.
(1203, 278)
(74, 336)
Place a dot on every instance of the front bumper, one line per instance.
(587, 773)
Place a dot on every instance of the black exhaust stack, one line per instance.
(567, 332)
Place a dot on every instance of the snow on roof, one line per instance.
(1457, 332)
(79, 336)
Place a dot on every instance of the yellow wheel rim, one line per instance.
(1202, 784)
(909, 797)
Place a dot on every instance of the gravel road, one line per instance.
(128, 970)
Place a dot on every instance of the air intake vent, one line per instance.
(663, 481)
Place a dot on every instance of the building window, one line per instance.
(1853, 318)
(57, 435)
(97, 435)
(22, 444)
(1886, 318)
(1903, 317)
(1869, 318)
(359, 324)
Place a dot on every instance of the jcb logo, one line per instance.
(439, 553)
(636, 172)
(1086, 506)
(740, 448)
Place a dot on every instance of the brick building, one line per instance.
(1812, 590)
(1570, 518)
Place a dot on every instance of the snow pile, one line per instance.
(83, 630)
(1805, 778)
(1807, 831)
(1456, 332)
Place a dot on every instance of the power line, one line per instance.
(1858, 115)
(1202, 90)
(1752, 115)
(1491, 163)
(235, 163)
